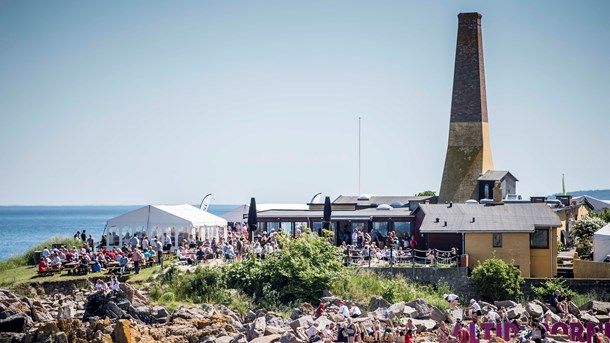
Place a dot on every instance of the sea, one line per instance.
(23, 227)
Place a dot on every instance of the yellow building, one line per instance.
(521, 233)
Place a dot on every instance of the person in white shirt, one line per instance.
(312, 329)
(343, 309)
(492, 316)
(46, 252)
(355, 310)
(167, 241)
(100, 285)
(476, 308)
(452, 299)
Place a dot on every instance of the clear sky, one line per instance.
(137, 102)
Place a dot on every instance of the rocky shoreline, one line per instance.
(67, 314)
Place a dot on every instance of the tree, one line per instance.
(496, 280)
(583, 231)
(426, 194)
(603, 215)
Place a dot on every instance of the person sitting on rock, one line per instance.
(354, 310)
(476, 308)
(343, 309)
(319, 311)
(388, 333)
(377, 331)
(114, 284)
(101, 286)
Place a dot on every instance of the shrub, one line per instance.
(496, 280)
(168, 298)
(204, 285)
(543, 292)
(583, 231)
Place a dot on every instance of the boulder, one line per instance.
(266, 339)
(410, 311)
(573, 309)
(515, 312)
(19, 322)
(275, 321)
(377, 302)
(598, 307)
(587, 317)
(506, 303)
(534, 309)
(239, 339)
(256, 328)
(438, 315)
(302, 322)
(545, 307)
(224, 339)
(66, 312)
(424, 324)
(289, 337)
(123, 332)
(603, 318)
(456, 314)
(423, 310)
(272, 330)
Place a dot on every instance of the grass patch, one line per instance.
(12, 278)
(361, 285)
(28, 257)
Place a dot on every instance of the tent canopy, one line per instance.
(165, 216)
(601, 243)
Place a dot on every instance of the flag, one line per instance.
(563, 183)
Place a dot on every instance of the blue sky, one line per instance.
(162, 102)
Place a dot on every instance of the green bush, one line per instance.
(496, 280)
(543, 292)
(204, 285)
(301, 271)
(583, 231)
(168, 298)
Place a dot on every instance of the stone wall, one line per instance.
(599, 286)
(457, 278)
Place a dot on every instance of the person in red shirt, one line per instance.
(463, 334)
(408, 336)
(42, 265)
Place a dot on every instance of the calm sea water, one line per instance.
(23, 227)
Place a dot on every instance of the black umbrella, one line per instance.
(252, 220)
(327, 213)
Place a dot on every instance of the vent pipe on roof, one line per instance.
(450, 204)
(437, 220)
(445, 224)
(473, 219)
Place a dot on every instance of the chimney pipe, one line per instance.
(473, 219)
(437, 220)
(445, 224)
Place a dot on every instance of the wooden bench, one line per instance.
(50, 271)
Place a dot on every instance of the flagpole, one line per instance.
(359, 159)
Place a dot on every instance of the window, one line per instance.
(380, 231)
(539, 239)
(402, 229)
(287, 227)
(497, 240)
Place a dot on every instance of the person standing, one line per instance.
(159, 249)
(77, 235)
(463, 334)
(135, 257)
(167, 242)
(83, 236)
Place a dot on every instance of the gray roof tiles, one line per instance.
(493, 175)
(499, 218)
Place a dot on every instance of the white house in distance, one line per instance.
(179, 221)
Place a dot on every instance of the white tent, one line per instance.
(237, 215)
(155, 220)
(601, 243)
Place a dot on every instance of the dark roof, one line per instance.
(378, 199)
(595, 204)
(521, 217)
(363, 214)
(495, 175)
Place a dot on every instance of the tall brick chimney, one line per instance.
(468, 150)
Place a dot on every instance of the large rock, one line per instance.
(67, 311)
(410, 311)
(124, 333)
(423, 310)
(506, 303)
(224, 339)
(573, 309)
(587, 317)
(16, 323)
(256, 328)
(534, 309)
(302, 322)
(515, 312)
(289, 337)
(438, 315)
(555, 317)
(598, 307)
(424, 324)
(603, 318)
(377, 302)
(266, 339)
